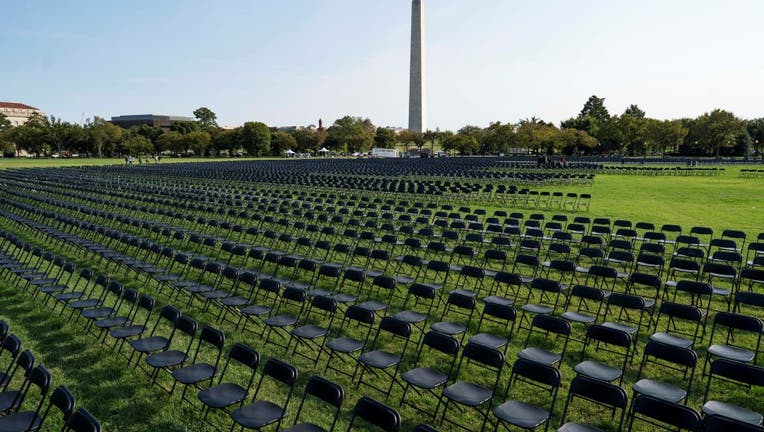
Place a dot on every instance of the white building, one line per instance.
(18, 113)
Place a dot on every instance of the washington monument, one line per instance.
(417, 118)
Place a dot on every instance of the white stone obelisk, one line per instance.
(417, 117)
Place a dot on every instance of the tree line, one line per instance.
(593, 131)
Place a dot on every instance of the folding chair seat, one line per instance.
(281, 321)
(674, 334)
(524, 415)
(477, 393)
(584, 305)
(601, 393)
(748, 376)
(241, 361)
(735, 345)
(316, 327)
(588, 257)
(458, 303)
(503, 315)
(65, 297)
(90, 299)
(379, 361)
(408, 269)
(664, 357)
(620, 310)
(199, 371)
(121, 328)
(262, 413)
(442, 350)
(375, 413)
(548, 325)
(322, 390)
(359, 318)
(529, 262)
(154, 341)
(608, 340)
(32, 420)
(664, 414)
(547, 292)
(168, 358)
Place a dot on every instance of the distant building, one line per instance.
(162, 121)
(18, 113)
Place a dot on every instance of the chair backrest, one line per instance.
(718, 423)
(670, 413)
(281, 371)
(376, 413)
(537, 372)
(82, 421)
(64, 400)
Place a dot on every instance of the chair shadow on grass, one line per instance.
(102, 381)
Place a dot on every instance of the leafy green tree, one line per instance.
(6, 146)
(716, 130)
(384, 138)
(103, 136)
(309, 140)
(33, 136)
(255, 138)
(147, 131)
(137, 145)
(595, 108)
(350, 134)
(463, 143)
(537, 135)
(225, 140)
(756, 131)
(665, 135)
(206, 118)
(497, 138)
(169, 140)
(281, 142)
(184, 127)
(196, 141)
(632, 130)
(576, 141)
(409, 137)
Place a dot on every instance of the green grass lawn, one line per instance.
(123, 398)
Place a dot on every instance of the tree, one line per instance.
(576, 141)
(309, 140)
(6, 146)
(33, 136)
(136, 145)
(196, 141)
(147, 131)
(716, 130)
(632, 128)
(595, 108)
(384, 138)
(497, 138)
(409, 137)
(225, 140)
(535, 134)
(350, 134)
(169, 140)
(184, 127)
(206, 118)
(281, 142)
(463, 143)
(255, 138)
(756, 131)
(103, 135)
(665, 135)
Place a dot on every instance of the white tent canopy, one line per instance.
(289, 152)
(323, 150)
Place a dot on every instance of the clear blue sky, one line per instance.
(289, 62)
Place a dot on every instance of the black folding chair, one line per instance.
(522, 414)
(601, 393)
(324, 391)
(261, 413)
(664, 414)
(375, 413)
